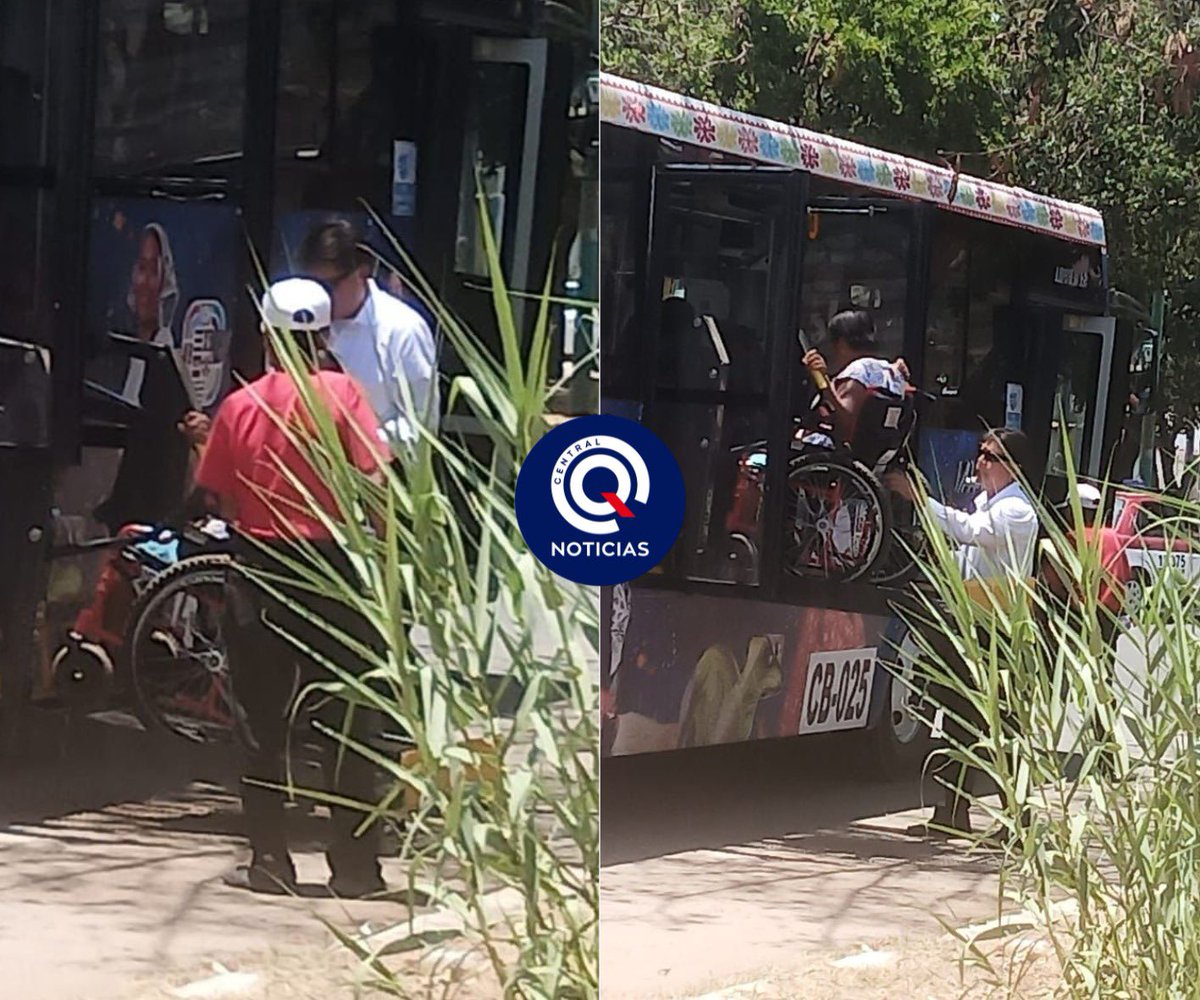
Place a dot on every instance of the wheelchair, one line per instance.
(841, 523)
(151, 634)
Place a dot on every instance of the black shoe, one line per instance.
(358, 886)
(926, 831)
(265, 874)
(999, 838)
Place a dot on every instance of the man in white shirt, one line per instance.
(381, 342)
(997, 538)
(999, 535)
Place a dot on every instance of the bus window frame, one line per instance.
(916, 295)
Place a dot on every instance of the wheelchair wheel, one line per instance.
(900, 565)
(177, 660)
(839, 522)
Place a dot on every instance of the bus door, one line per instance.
(718, 300)
(1080, 397)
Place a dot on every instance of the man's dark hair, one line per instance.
(1015, 444)
(856, 328)
(336, 243)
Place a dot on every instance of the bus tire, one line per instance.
(899, 740)
(898, 743)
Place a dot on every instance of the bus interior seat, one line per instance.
(884, 427)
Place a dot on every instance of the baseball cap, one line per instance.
(296, 304)
(1089, 496)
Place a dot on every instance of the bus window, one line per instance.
(715, 240)
(23, 71)
(969, 280)
(856, 258)
(169, 62)
(946, 322)
(623, 226)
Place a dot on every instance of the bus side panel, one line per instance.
(688, 670)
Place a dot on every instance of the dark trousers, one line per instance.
(958, 776)
(961, 779)
(269, 677)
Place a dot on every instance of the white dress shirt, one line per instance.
(386, 347)
(997, 538)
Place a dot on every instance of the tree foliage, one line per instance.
(1090, 100)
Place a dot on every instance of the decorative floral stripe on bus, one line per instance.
(660, 112)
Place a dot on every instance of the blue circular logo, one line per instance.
(600, 500)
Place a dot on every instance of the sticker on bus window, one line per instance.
(837, 690)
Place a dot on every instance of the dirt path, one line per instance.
(110, 866)
(730, 865)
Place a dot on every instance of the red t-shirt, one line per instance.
(1114, 566)
(247, 451)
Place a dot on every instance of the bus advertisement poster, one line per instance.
(165, 272)
(947, 460)
(687, 670)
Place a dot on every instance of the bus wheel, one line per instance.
(900, 739)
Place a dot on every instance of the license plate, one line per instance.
(1178, 560)
(837, 691)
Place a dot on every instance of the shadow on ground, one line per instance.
(660, 804)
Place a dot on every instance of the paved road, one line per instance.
(721, 864)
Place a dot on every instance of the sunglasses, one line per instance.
(989, 456)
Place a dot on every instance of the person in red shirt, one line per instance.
(1114, 565)
(246, 470)
(1110, 594)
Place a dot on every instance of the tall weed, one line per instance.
(1094, 755)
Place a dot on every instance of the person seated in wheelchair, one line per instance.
(868, 404)
(84, 665)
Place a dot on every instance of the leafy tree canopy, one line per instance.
(1090, 100)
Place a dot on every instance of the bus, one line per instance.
(145, 148)
(728, 243)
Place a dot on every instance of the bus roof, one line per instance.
(682, 119)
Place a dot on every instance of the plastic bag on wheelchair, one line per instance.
(159, 548)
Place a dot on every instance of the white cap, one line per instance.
(1089, 496)
(296, 304)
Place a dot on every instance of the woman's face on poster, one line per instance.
(147, 282)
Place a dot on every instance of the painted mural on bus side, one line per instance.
(685, 670)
